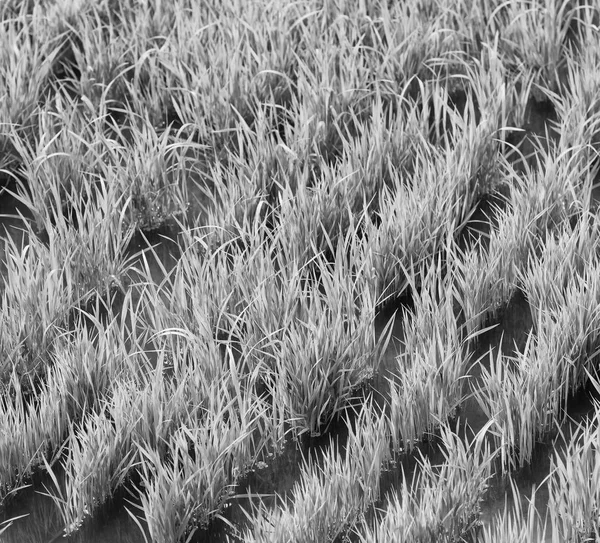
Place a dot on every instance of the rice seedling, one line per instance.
(16, 449)
(575, 101)
(499, 96)
(33, 435)
(567, 317)
(486, 275)
(82, 214)
(411, 36)
(534, 35)
(313, 219)
(561, 257)
(151, 170)
(208, 290)
(558, 190)
(79, 151)
(99, 458)
(96, 55)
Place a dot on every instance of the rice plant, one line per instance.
(561, 258)
(151, 170)
(575, 101)
(534, 35)
(99, 458)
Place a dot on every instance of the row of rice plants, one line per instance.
(429, 377)
(572, 513)
(524, 394)
(541, 200)
(144, 62)
(560, 177)
(440, 502)
(332, 494)
(39, 415)
(100, 421)
(556, 268)
(338, 497)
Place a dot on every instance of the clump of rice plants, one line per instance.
(186, 479)
(576, 102)
(323, 343)
(440, 502)
(40, 413)
(520, 401)
(36, 295)
(78, 212)
(98, 460)
(150, 167)
(532, 36)
(430, 374)
(561, 257)
(574, 495)
(510, 525)
(25, 68)
(524, 394)
(486, 274)
(331, 496)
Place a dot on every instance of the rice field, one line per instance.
(299, 271)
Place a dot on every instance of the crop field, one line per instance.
(311, 271)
